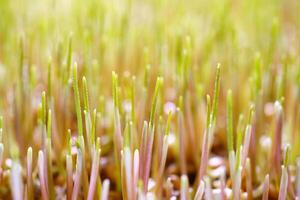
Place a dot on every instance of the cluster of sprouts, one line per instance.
(149, 100)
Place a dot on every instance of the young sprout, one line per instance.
(69, 169)
(44, 108)
(283, 183)
(282, 83)
(136, 165)
(247, 138)
(158, 86)
(29, 175)
(230, 141)
(86, 95)
(213, 114)
(42, 175)
(165, 146)
(123, 177)
(284, 175)
(127, 135)
(208, 112)
(249, 179)
(277, 141)
(240, 130)
(148, 156)
(237, 183)
(127, 159)
(216, 96)
(77, 99)
(229, 122)
(143, 150)
(78, 175)
(94, 171)
(117, 125)
(182, 142)
(16, 182)
(205, 143)
(127, 163)
(49, 157)
(118, 138)
(139, 158)
(148, 137)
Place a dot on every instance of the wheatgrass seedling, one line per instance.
(230, 140)
(277, 138)
(80, 168)
(78, 174)
(147, 155)
(158, 86)
(247, 138)
(55, 111)
(239, 138)
(163, 158)
(16, 183)
(69, 169)
(182, 142)
(127, 164)
(237, 183)
(216, 96)
(77, 99)
(29, 185)
(85, 95)
(42, 175)
(148, 137)
(249, 187)
(49, 156)
(210, 123)
(229, 122)
(94, 171)
(118, 138)
(44, 108)
(284, 176)
(90, 118)
(205, 143)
